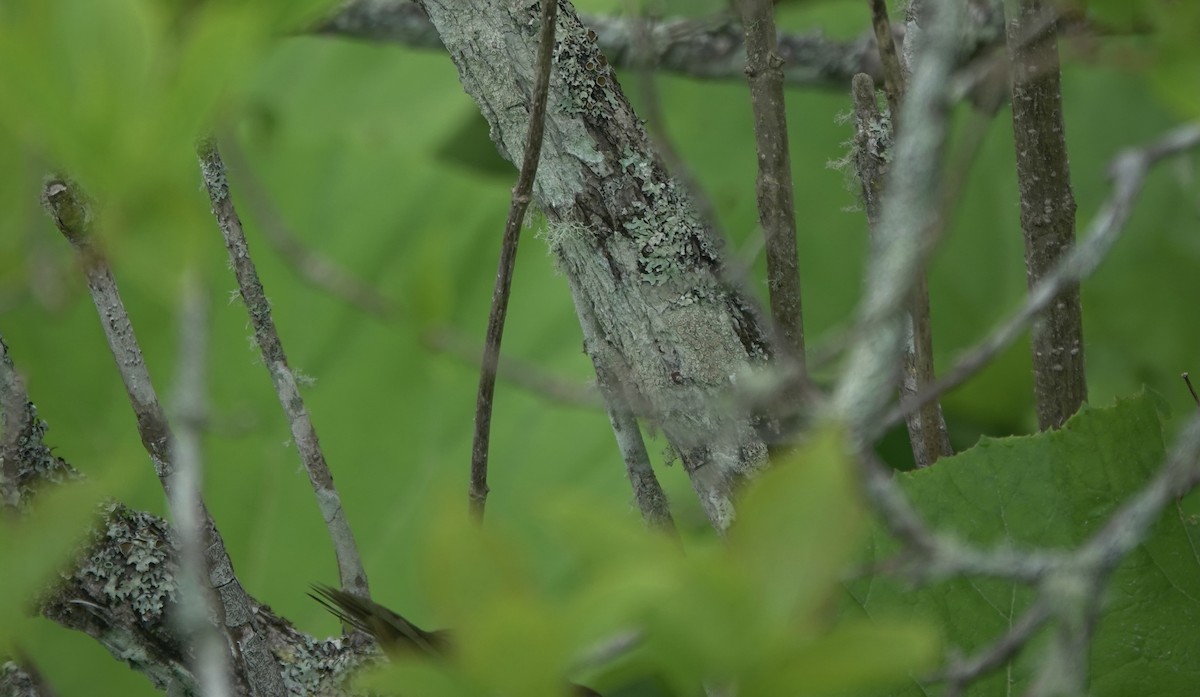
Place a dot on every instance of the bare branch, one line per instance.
(776, 209)
(522, 194)
(304, 434)
(73, 215)
(1128, 173)
(327, 276)
(1047, 208)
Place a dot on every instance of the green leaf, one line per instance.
(1055, 490)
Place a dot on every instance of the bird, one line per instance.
(394, 633)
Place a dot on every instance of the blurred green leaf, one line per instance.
(798, 526)
(35, 546)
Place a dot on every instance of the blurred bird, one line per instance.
(392, 632)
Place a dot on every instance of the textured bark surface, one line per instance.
(1047, 207)
(644, 273)
(776, 210)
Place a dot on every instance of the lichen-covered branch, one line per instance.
(910, 199)
(710, 48)
(521, 195)
(72, 213)
(776, 210)
(644, 272)
(304, 434)
(1047, 207)
(123, 587)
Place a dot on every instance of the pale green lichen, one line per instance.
(321, 667)
(134, 563)
(555, 233)
(668, 238)
(585, 73)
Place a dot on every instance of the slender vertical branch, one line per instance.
(872, 151)
(350, 569)
(522, 194)
(893, 71)
(72, 214)
(906, 211)
(1047, 207)
(776, 210)
(209, 651)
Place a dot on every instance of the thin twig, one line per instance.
(1187, 380)
(1128, 173)
(350, 568)
(327, 276)
(776, 209)
(1047, 208)
(211, 654)
(522, 193)
(73, 216)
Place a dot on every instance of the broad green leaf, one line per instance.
(1055, 490)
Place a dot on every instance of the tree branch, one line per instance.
(710, 48)
(911, 196)
(644, 272)
(122, 589)
(1047, 207)
(776, 210)
(508, 256)
(304, 434)
(72, 213)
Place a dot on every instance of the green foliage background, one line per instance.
(352, 141)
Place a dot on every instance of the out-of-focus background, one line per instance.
(372, 157)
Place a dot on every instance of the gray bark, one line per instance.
(644, 272)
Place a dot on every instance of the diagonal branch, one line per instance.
(350, 569)
(522, 194)
(72, 213)
(1128, 173)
